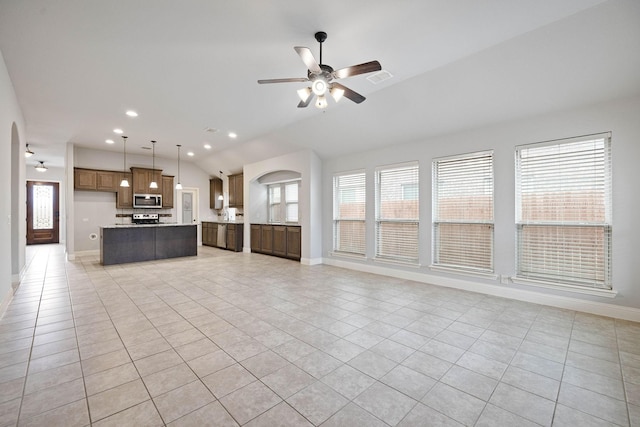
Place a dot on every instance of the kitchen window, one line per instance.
(463, 212)
(563, 212)
(283, 209)
(349, 207)
(397, 213)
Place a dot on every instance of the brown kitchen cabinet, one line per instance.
(207, 233)
(107, 181)
(294, 242)
(84, 179)
(234, 237)
(256, 238)
(167, 191)
(142, 177)
(124, 195)
(279, 247)
(215, 191)
(236, 190)
(278, 240)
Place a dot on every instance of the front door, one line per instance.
(43, 212)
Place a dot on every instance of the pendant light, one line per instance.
(178, 185)
(28, 153)
(124, 182)
(41, 167)
(153, 184)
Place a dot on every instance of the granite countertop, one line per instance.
(216, 221)
(162, 224)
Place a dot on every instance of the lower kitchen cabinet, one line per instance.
(277, 240)
(234, 237)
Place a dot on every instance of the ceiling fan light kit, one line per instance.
(321, 77)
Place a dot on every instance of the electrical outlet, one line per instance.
(504, 279)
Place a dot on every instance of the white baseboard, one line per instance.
(91, 252)
(593, 307)
(311, 261)
(6, 299)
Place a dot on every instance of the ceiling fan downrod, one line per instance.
(321, 36)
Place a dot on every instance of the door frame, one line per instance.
(56, 210)
(196, 204)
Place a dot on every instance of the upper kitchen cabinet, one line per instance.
(215, 193)
(124, 195)
(167, 191)
(142, 177)
(95, 180)
(84, 179)
(236, 190)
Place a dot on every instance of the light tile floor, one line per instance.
(238, 339)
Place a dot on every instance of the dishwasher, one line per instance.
(222, 236)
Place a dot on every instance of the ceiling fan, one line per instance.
(322, 78)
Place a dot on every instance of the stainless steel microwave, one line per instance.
(153, 201)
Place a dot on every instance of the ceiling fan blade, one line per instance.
(354, 70)
(303, 104)
(348, 93)
(291, 80)
(308, 59)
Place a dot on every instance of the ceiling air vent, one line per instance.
(379, 77)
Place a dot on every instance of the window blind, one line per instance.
(291, 201)
(349, 207)
(463, 212)
(397, 212)
(563, 211)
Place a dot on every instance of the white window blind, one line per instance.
(463, 212)
(291, 201)
(563, 211)
(397, 212)
(349, 207)
(274, 203)
(283, 202)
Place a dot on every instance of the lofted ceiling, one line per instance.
(192, 65)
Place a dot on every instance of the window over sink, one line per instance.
(283, 202)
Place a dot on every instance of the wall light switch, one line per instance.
(504, 279)
(85, 219)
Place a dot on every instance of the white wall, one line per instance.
(94, 209)
(306, 163)
(620, 117)
(12, 194)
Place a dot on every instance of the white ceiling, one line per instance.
(77, 66)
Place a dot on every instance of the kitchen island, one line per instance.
(125, 243)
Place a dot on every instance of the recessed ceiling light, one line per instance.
(109, 141)
(207, 146)
(233, 135)
(131, 113)
(190, 153)
(118, 131)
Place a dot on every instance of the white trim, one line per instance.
(608, 293)
(569, 303)
(470, 273)
(348, 255)
(311, 261)
(6, 300)
(91, 252)
(397, 262)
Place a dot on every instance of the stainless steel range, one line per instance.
(145, 218)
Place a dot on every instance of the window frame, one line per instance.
(474, 163)
(408, 223)
(564, 279)
(281, 206)
(338, 219)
